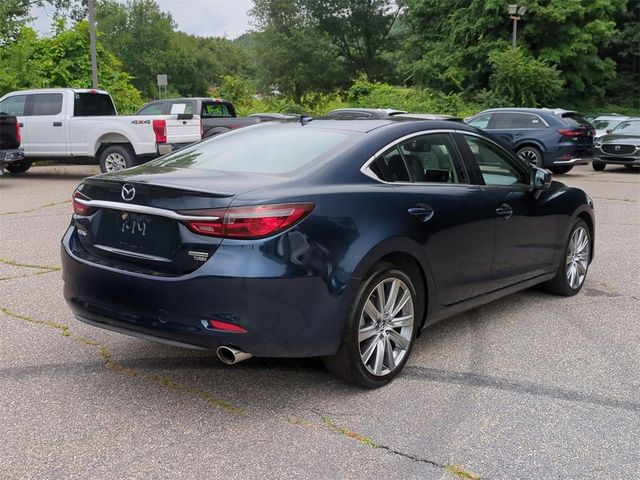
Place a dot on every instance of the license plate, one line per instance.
(133, 225)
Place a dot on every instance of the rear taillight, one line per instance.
(566, 132)
(160, 129)
(226, 326)
(18, 134)
(78, 207)
(249, 222)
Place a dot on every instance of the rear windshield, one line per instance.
(575, 119)
(93, 104)
(271, 150)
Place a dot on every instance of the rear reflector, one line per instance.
(160, 129)
(249, 222)
(226, 326)
(79, 208)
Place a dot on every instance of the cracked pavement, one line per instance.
(530, 386)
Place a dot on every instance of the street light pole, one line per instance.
(92, 45)
(515, 14)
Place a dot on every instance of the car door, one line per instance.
(525, 229)
(45, 125)
(15, 105)
(452, 219)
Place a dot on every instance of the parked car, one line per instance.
(621, 146)
(338, 239)
(218, 115)
(605, 123)
(554, 139)
(10, 152)
(362, 113)
(65, 123)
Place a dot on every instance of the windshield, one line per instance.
(271, 150)
(627, 128)
(575, 119)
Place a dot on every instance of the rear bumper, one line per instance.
(8, 156)
(568, 154)
(285, 317)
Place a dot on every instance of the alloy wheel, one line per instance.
(530, 157)
(114, 162)
(386, 326)
(577, 257)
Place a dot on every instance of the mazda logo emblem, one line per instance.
(617, 148)
(128, 192)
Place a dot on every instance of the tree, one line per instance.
(522, 80)
(452, 41)
(63, 61)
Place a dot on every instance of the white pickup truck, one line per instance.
(63, 123)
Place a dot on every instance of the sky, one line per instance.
(206, 18)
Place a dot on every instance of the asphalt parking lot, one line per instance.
(531, 386)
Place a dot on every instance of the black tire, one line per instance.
(559, 284)
(115, 158)
(348, 364)
(18, 167)
(561, 170)
(598, 165)
(531, 156)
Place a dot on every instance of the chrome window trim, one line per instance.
(132, 207)
(367, 171)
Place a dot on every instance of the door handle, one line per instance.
(57, 124)
(422, 211)
(504, 211)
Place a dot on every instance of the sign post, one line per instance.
(162, 82)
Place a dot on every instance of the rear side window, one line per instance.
(212, 110)
(574, 119)
(13, 105)
(269, 150)
(45, 104)
(93, 105)
(153, 109)
(508, 120)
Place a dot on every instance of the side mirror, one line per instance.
(540, 178)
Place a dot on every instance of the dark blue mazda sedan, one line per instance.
(333, 238)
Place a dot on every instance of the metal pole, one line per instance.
(92, 45)
(515, 31)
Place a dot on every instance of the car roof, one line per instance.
(555, 111)
(186, 99)
(611, 117)
(369, 125)
(60, 90)
(381, 111)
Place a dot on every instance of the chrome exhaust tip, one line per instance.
(231, 355)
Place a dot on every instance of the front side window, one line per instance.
(13, 105)
(212, 110)
(430, 158)
(496, 167)
(45, 104)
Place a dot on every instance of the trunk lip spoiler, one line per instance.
(136, 208)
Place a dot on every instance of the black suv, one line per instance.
(554, 139)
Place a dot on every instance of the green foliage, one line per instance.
(522, 80)
(452, 41)
(63, 61)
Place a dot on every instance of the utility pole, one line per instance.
(515, 14)
(92, 45)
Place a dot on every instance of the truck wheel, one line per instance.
(115, 158)
(19, 167)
